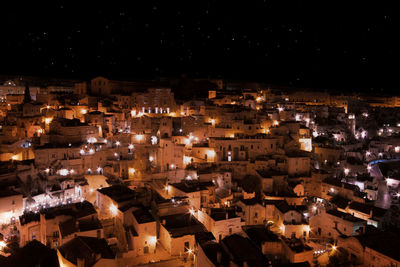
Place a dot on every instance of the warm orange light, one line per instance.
(210, 153)
(83, 111)
(153, 240)
(139, 137)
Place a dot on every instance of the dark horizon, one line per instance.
(341, 46)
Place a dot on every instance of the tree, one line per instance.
(339, 257)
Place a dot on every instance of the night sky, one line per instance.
(317, 44)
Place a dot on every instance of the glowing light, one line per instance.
(82, 151)
(190, 251)
(132, 171)
(130, 146)
(367, 153)
(363, 134)
(117, 143)
(166, 188)
(314, 208)
(71, 171)
(99, 169)
(2, 244)
(48, 120)
(91, 190)
(47, 107)
(369, 167)
(113, 209)
(297, 117)
(280, 109)
(92, 140)
(151, 158)
(116, 154)
(172, 166)
(282, 228)
(133, 113)
(182, 113)
(47, 170)
(153, 140)
(397, 149)
(192, 212)
(83, 111)
(14, 157)
(63, 172)
(334, 247)
(276, 123)
(139, 137)
(153, 240)
(210, 153)
(259, 99)
(91, 151)
(346, 171)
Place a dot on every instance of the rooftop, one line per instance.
(118, 193)
(218, 214)
(87, 248)
(344, 216)
(142, 215)
(192, 186)
(181, 224)
(243, 250)
(259, 234)
(296, 245)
